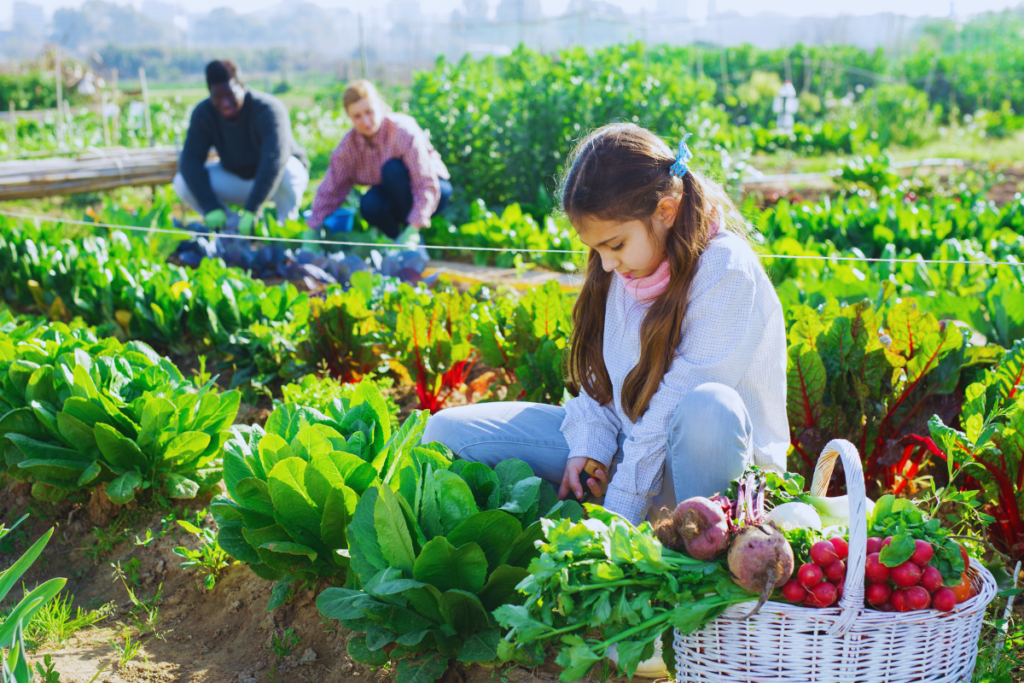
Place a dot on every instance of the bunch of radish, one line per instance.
(912, 585)
(819, 583)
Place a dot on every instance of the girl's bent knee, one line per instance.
(712, 421)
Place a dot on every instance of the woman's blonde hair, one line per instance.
(360, 90)
(620, 172)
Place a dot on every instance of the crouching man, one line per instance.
(259, 158)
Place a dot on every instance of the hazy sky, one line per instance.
(698, 8)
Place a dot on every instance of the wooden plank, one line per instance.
(91, 171)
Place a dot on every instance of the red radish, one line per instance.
(836, 571)
(824, 594)
(874, 545)
(760, 560)
(810, 575)
(703, 526)
(793, 591)
(931, 579)
(887, 541)
(886, 607)
(918, 598)
(823, 554)
(906, 575)
(963, 589)
(944, 599)
(922, 553)
(874, 570)
(899, 601)
(877, 593)
(841, 546)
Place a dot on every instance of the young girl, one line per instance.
(678, 346)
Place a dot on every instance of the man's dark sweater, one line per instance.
(256, 145)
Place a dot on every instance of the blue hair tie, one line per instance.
(679, 168)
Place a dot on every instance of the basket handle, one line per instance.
(852, 602)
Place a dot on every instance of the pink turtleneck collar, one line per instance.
(650, 287)
(647, 288)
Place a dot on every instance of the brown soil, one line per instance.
(200, 636)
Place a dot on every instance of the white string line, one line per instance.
(514, 250)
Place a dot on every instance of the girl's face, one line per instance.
(366, 116)
(629, 247)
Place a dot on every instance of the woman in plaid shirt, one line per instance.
(678, 347)
(391, 153)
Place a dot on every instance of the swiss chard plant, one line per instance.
(293, 486)
(526, 339)
(79, 413)
(343, 329)
(429, 340)
(849, 376)
(989, 447)
(434, 554)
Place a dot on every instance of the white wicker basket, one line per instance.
(843, 644)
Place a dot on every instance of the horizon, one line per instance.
(698, 11)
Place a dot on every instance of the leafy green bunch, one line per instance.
(435, 553)
(80, 413)
(320, 392)
(527, 340)
(293, 486)
(603, 575)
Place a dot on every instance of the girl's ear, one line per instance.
(666, 210)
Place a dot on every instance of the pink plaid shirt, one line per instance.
(356, 162)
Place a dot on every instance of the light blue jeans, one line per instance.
(708, 444)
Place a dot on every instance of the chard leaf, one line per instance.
(367, 558)
(500, 588)
(510, 472)
(119, 450)
(463, 612)
(338, 511)
(424, 669)
(185, 446)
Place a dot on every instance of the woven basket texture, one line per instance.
(843, 644)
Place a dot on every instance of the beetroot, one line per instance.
(760, 560)
(703, 526)
(874, 545)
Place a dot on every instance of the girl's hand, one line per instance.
(598, 482)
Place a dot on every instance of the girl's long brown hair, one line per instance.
(619, 173)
